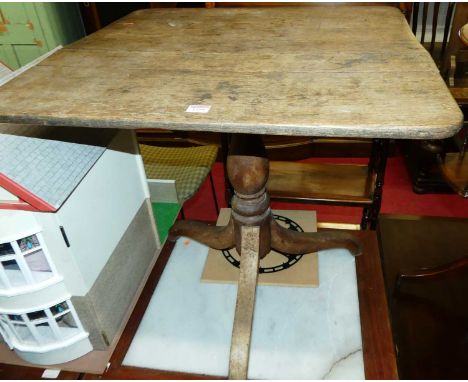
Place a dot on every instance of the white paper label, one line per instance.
(198, 109)
(50, 373)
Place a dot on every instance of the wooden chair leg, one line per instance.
(365, 218)
(228, 189)
(445, 270)
(377, 165)
(213, 191)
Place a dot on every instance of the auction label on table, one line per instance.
(198, 109)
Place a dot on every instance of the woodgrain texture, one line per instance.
(454, 168)
(377, 342)
(345, 184)
(463, 33)
(320, 71)
(245, 304)
(15, 372)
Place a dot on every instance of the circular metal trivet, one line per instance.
(290, 260)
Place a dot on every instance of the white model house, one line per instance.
(77, 238)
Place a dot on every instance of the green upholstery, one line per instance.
(188, 166)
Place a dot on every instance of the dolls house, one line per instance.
(77, 238)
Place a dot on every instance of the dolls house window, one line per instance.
(6, 249)
(24, 264)
(42, 328)
(13, 275)
(33, 316)
(23, 333)
(66, 320)
(45, 333)
(28, 243)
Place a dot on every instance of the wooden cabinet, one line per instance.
(28, 30)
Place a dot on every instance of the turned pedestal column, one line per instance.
(247, 168)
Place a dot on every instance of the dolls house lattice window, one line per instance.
(44, 329)
(25, 265)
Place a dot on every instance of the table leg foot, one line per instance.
(295, 243)
(213, 236)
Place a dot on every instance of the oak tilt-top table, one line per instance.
(318, 71)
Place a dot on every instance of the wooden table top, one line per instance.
(318, 71)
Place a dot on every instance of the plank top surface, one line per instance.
(343, 71)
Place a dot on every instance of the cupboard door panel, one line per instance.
(28, 30)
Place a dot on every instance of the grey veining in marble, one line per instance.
(298, 333)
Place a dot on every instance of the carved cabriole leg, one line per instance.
(213, 236)
(296, 243)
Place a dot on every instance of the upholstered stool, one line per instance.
(188, 166)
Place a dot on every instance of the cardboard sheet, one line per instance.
(299, 271)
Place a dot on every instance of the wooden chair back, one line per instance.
(449, 17)
(437, 17)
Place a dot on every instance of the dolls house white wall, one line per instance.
(78, 249)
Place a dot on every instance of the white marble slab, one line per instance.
(298, 333)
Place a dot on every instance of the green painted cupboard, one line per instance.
(28, 30)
